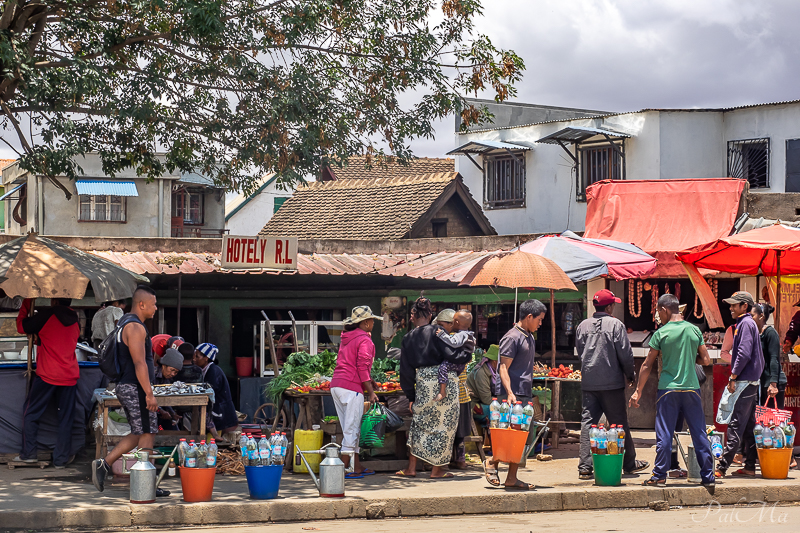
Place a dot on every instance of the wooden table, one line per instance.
(198, 403)
(555, 407)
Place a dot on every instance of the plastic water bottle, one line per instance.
(264, 452)
(284, 447)
(602, 441)
(202, 455)
(243, 449)
(275, 445)
(494, 413)
(791, 431)
(621, 439)
(517, 416)
(716, 445)
(252, 451)
(527, 412)
(758, 432)
(611, 437)
(778, 437)
(767, 438)
(505, 415)
(593, 438)
(182, 449)
(191, 456)
(211, 458)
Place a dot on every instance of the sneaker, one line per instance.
(162, 493)
(640, 465)
(19, 459)
(59, 467)
(585, 474)
(100, 470)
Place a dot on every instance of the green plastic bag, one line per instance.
(373, 427)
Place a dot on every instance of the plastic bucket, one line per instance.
(508, 445)
(775, 462)
(263, 482)
(244, 367)
(607, 469)
(197, 484)
(308, 440)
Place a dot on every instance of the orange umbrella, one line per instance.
(521, 269)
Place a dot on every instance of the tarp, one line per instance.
(585, 259)
(663, 216)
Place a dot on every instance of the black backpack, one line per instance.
(107, 352)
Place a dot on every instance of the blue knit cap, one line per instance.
(209, 350)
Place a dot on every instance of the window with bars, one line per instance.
(749, 160)
(188, 205)
(103, 208)
(504, 181)
(599, 163)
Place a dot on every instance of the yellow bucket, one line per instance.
(308, 440)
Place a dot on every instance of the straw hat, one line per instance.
(360, 314)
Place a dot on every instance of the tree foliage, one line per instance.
(235, 88)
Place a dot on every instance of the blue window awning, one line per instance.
(106, 188)
(12, 191)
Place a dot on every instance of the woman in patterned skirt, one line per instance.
(434, 424)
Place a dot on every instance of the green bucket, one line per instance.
(607, 470)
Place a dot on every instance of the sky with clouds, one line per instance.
(623, 55)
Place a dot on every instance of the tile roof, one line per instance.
(441, 266)
(376, 208)
(356, 168)
(6, 162)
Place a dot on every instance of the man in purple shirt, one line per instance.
(747, 365)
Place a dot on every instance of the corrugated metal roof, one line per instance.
(197, 179)
(482, 147)
(441, 266)
(574, 134)
(106, 187)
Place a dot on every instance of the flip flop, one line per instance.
(446, 475)
(368, 472)
(719, 474)
(401, 473)
(654, 482)
(520, 485)
(352, 475)
(742, 473)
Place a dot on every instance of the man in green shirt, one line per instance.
(681, 347)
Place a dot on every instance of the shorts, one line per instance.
(133, 401)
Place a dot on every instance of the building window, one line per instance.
(597, 164)
(749, 160)
(793, 165)
(439, 227)
(504, 181)
(102, 208)
(279, 201)
(188, 205)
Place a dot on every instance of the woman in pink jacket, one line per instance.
(351, 378)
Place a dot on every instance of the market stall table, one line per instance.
(198, 403)
(556, 405)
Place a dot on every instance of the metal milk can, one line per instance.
(143, 480)
(693, 466)
(331, 470)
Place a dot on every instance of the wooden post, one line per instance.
(553, 326)
(273, 355)
(778, 299)
(29, 373)
(180, 278)
(294, 334)
(556, 408)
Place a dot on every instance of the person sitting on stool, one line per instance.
(222, 414)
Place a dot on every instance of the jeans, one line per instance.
(740, 430)
(670, 404)
(613, 404)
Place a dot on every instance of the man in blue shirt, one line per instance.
(747, 365)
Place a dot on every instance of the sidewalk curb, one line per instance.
(291, 510)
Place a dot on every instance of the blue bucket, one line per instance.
(263, 481)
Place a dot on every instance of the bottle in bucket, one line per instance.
(284, 447)
(211, 456)
(494, 413)
(505, 415)
(527, 412)
(791, 431)
(758, 432)
(612, 440)
(252, 451)
(191, 456)
(517, 416)
(202, 455)
(778, 437)
(263, 451)
(593, 438)
(182, 449)
(602, 441)
(766, 438)
(243, 449)
(621, 439)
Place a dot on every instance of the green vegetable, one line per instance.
(329, 419)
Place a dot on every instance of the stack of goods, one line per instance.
(201, 455)
(541, 370)
(607, 442)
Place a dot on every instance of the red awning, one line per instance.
(663, 216)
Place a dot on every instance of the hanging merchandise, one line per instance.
(678, 290)
(714, 284)
(654, 293)
(697, 307)
(666, 288)
(635, 297)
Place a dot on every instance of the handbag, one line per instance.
(373, 427)
(766, 414)
(393, 420)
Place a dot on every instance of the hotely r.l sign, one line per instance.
(255, 252)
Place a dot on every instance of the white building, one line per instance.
(531, 177)
(246, 214)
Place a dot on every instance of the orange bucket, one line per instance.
(508, 445)
(775, 462)
(197, 484)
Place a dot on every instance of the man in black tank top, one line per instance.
(134, 388)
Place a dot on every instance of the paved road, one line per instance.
(777, 519)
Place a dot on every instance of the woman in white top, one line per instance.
(105, 320)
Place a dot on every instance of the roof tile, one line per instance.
(356, 168)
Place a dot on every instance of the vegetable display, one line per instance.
(541, 370)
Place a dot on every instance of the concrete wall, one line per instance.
(776, 206)
(691, 145)
(252, 218)
(214, 210)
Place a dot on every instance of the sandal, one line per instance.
(402, 473)
(719, 474)
(654, 482)
(352, 475)
(446, 475)
(492, 476)
(367, 472)
(520, 485)
(742, 473)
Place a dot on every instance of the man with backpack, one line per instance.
(57, 375)
(134, 357)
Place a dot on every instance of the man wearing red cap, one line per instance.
(606, 368)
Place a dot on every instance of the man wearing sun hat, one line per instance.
(223, 413)
(606, 369)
